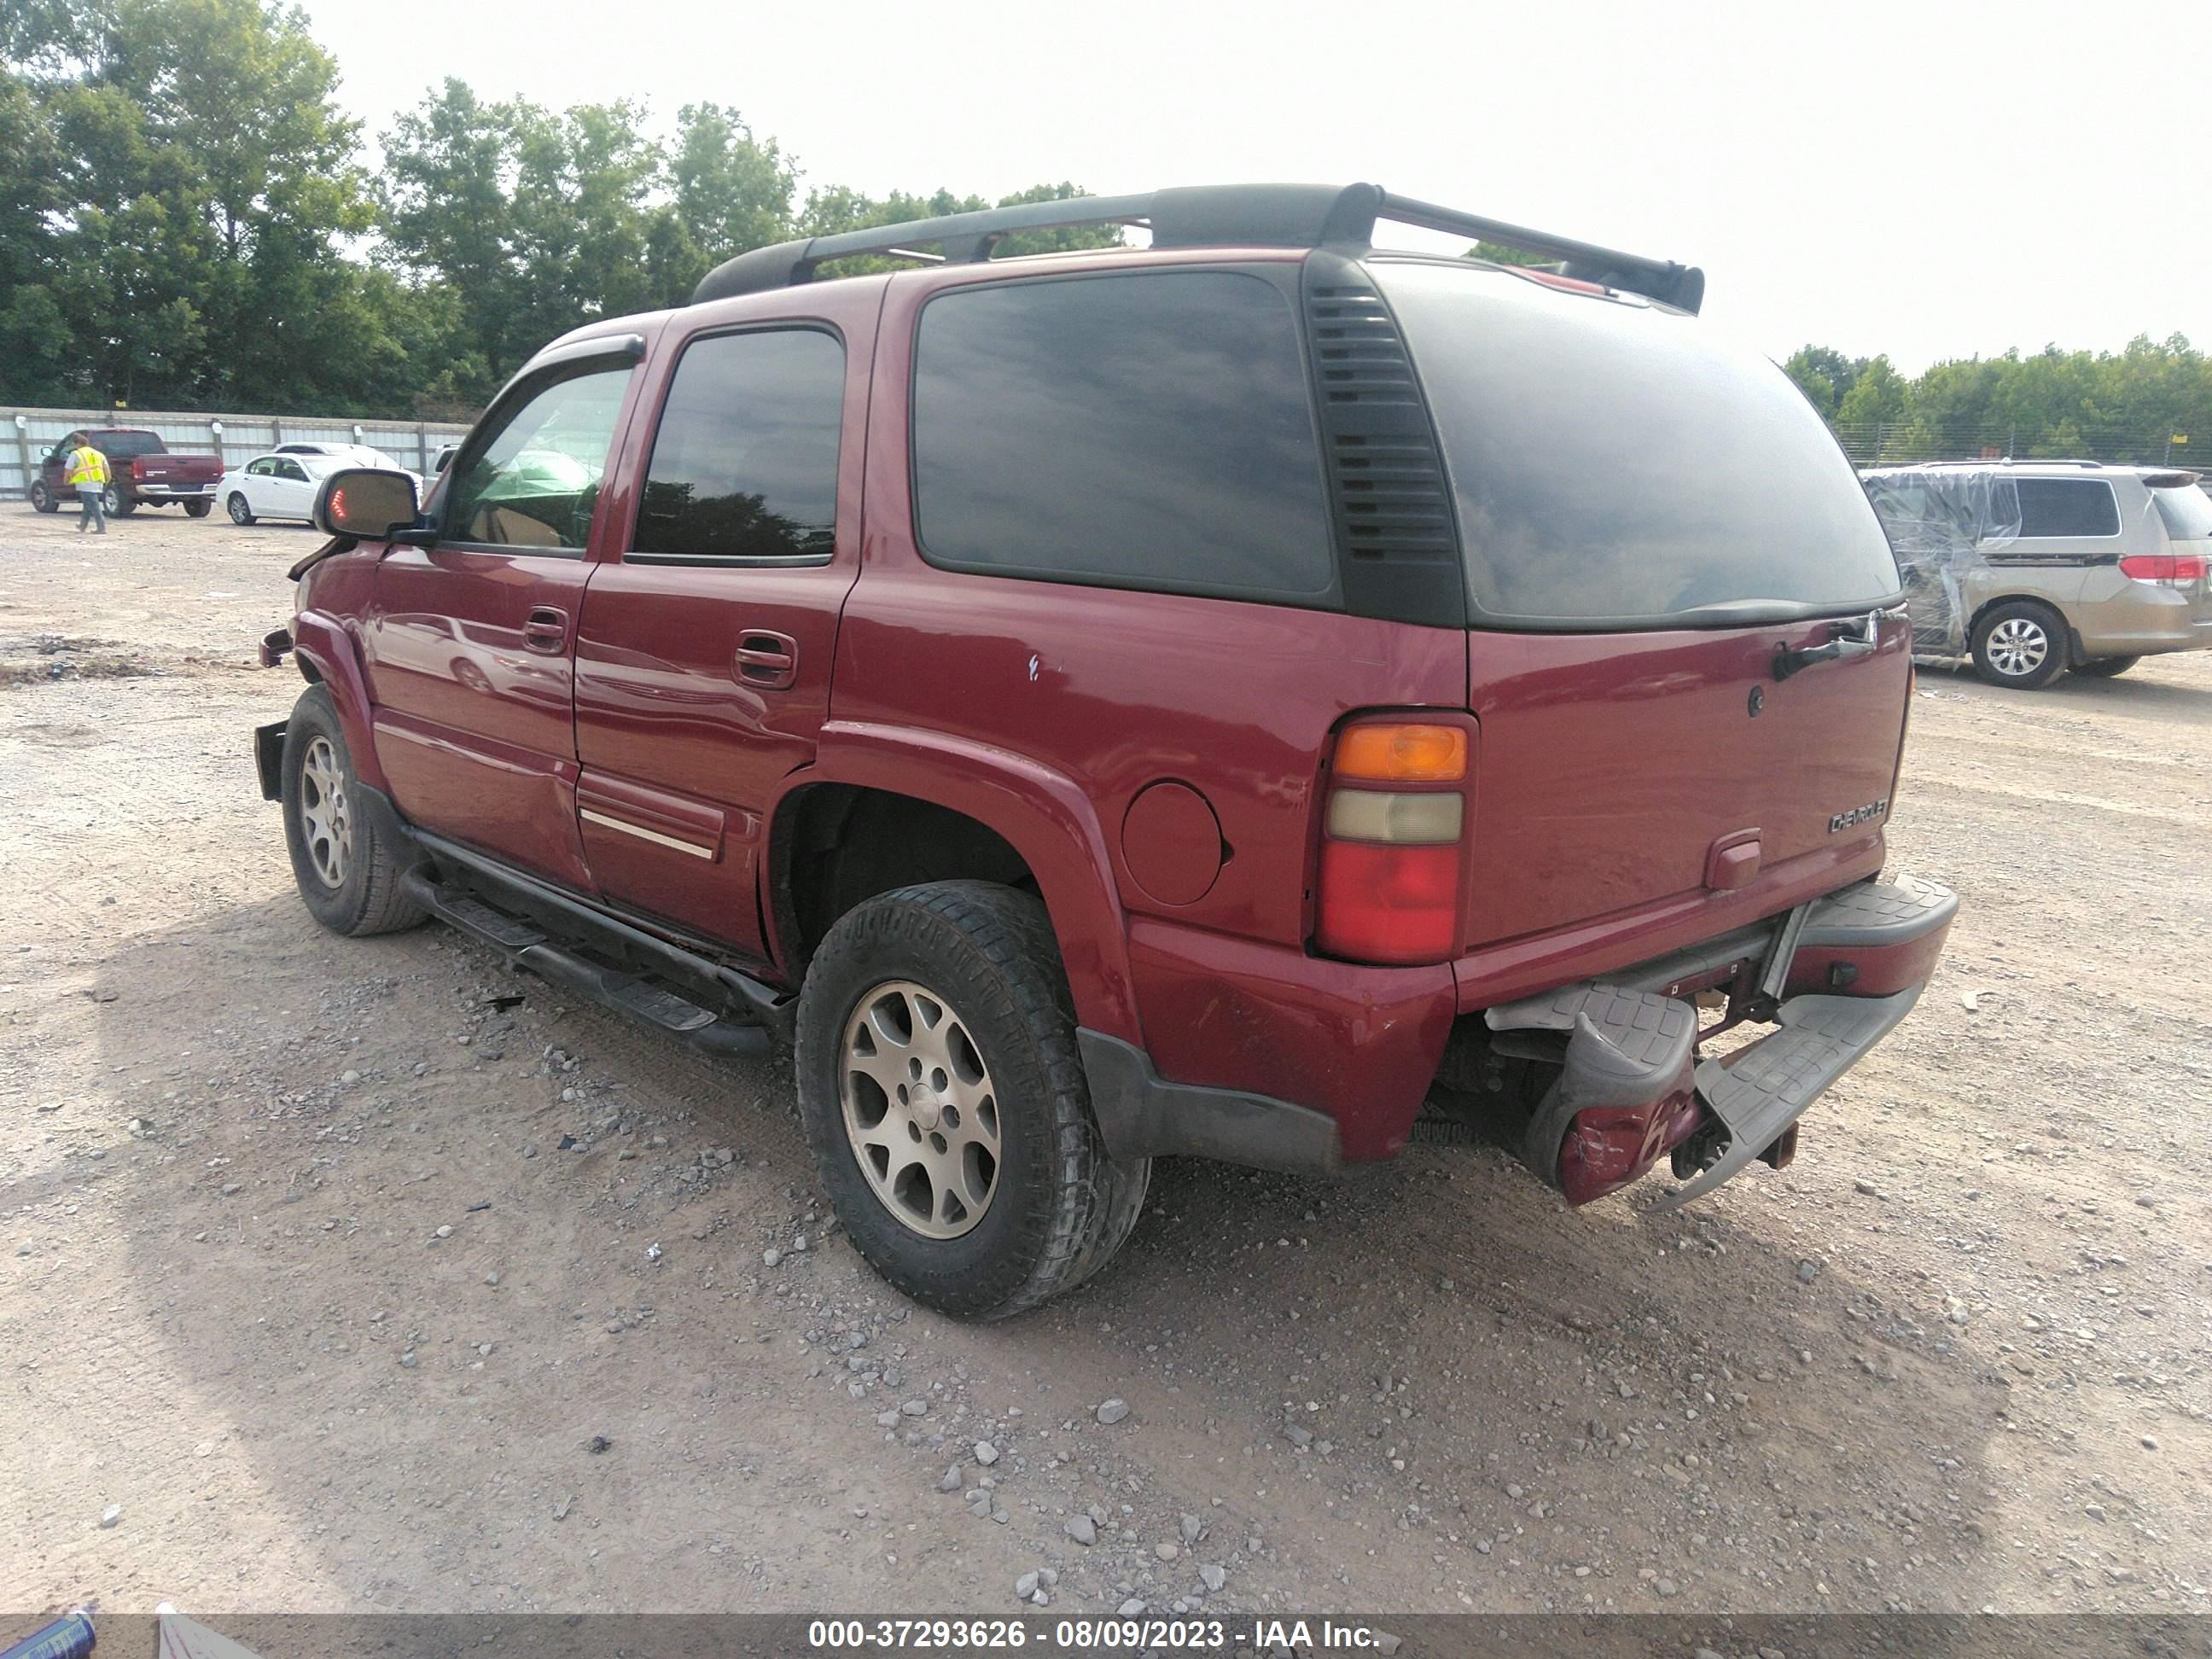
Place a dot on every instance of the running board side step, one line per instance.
(635, 994)
(1759, 1091)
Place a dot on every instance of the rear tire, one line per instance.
(2106, 668)
(197, 509)
(1050, 1207)
(240, 512)
(348, 876)
(42, 499)
(117, 503)
(2020, 645)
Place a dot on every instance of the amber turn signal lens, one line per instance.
(1403, 754)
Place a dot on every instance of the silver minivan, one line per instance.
(2035, 567)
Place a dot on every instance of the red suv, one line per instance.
(1254, 697)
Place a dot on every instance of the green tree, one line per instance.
(532, 222)
(447, 212)
(1824, 375)
(192, 232)
(1879, 394)
(729, 193)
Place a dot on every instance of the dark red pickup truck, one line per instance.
(141, 472)
(1260, 696)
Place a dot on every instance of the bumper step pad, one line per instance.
(1760, 1090)
(1879, 913)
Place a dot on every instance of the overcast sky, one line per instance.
(1931, 181)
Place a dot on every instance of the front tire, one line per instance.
(347, 874)
(947, 1106)
(241, 513)
(197, 509)
(2106, 668)
(42, 499)
(2020, 645)
(117, 503)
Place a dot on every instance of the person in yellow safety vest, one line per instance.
(87, 475)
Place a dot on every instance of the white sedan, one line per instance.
(353, 454)
(282, 486)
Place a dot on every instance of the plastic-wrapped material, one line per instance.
(1943, 522)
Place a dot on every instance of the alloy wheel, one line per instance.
(325, 824)
(2017, 647)
(919, 1110)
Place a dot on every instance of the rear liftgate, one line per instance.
(1631, 1087)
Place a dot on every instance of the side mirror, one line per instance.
(444, 459)
(368, 503)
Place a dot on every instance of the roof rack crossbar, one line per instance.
(1259, 215)
(1658, 279)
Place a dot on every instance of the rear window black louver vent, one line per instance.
(1386, 483)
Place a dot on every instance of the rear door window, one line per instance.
(1617, 464)
(745, 463)
(2068, 506)
(1150, 429)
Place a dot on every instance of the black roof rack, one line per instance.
(1249, 215)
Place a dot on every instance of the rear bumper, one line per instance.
(1282, 1060)
(161, 494)
(2142, 621)
(1835, 978)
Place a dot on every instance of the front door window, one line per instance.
(533, 481)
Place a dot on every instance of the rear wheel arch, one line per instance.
(1982, 609)
(835, 846)
(1014, 826)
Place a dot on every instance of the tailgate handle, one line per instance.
(1857, 636)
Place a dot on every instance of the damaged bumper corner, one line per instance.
(1838, 976)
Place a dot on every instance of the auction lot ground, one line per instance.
(336, 1322)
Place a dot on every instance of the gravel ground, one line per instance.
(342, 1276)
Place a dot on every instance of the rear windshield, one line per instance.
(1615, 465)
(123, 445)
(2187, 512)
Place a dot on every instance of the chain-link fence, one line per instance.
(237, 438)
(1899, 443)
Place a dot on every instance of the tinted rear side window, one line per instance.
(2068, 506)
(745, 463)
(1619, 465)
(2187, 511)
(1149, 430)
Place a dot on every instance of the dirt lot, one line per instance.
(298, 1272)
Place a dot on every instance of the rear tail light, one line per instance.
(1390, 858)
(2166, 569)
(1605, 1147)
